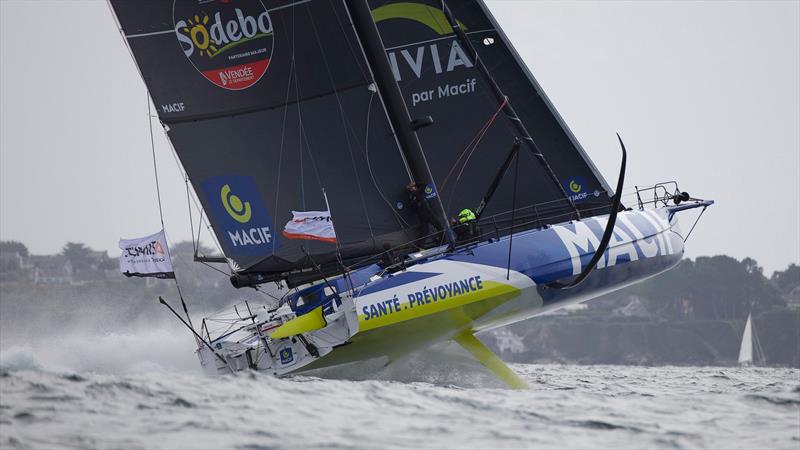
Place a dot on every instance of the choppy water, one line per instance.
(442, 400)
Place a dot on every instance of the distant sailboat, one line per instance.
(750, 343)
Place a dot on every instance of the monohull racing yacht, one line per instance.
(429, 188)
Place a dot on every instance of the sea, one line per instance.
(144, 390)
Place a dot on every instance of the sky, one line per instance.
(706, 93)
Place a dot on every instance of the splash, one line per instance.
(135, 348)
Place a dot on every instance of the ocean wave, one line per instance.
(41, 408)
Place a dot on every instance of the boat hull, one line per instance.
(481, 287)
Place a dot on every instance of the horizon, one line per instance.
(172, 245)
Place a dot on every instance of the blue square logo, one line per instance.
(577, 188)
(286, 355)
(239, 215)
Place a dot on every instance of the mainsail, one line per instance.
(266, 106)
(469, 139)
(270, 104)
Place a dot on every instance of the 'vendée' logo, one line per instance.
(229, 42)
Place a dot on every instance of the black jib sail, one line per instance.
(267, 104)
(472, 135)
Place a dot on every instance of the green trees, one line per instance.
(13, 247)
(79, 255)
(710, 288)
(787, 280)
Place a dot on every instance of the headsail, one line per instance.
(467, 143)
(266, 106)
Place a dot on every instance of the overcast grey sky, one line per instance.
(704, 92)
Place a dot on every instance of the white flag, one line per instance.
(310, 225)
(146, 257)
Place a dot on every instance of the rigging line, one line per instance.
(199, 229)
(509, 109)
(190, 199)
(478, 136)
(513, 211)
(303, 137)
(461, 155)
(155, 166)
(268, 294)
(311, 157)
(344, 124)
(477, 140)
(160, 208)
(213, 268)
(333, 225)
(177, 285)
(441, 25)
(695, 224)
(299, 116)
(195, 244)
(474, 147)
(194, 197)
(402, 222)
(283, 128)
(349, 44)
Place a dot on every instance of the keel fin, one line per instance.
(489, 360)
(309, 321)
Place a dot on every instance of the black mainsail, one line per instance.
(271, 105)
(267, 104)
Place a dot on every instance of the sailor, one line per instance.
(425, 213)
(466, 215)
(466, 227)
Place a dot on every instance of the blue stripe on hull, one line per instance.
(561, 251)
(645, 244)
(547, 255)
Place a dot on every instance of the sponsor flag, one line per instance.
(310, 225)
(146, 257)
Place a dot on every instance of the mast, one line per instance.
(389, 91)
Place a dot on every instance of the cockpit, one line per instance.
(308, 299)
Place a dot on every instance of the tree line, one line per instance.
(706, 288)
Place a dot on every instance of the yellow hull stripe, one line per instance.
(310, 321)
(491, 289)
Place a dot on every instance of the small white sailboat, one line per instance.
(750, 345)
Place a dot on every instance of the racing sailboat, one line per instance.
(366, 126)
(750, 345)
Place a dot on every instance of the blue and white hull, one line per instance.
(452, 295)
